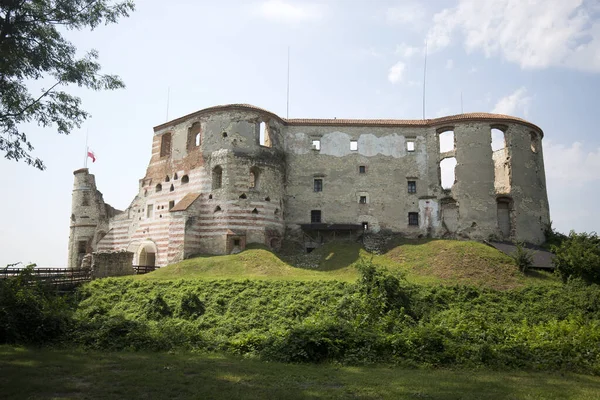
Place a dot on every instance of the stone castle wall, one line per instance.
(230, 175)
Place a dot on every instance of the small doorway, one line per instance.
(147, 255)
(504, 217)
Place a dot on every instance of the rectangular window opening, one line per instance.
(353, 145)
(410, 145)
(412, 187)
(316, 144)
(236, 242)
(149, 210)
(413, 219)
(362, 200)
(318, 185)
(315, 216)
(365, 226)
(362, 169)
(171, 204)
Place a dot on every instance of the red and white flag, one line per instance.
(91, 155)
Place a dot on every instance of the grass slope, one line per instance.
(423, 261)
(72, 374)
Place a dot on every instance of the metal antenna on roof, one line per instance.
(424, 77)
(168, 97)
(287, 110)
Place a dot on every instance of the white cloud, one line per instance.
(282, 11)
(408, 12)
(573, 185)
(533, 34)
(407, 51)
(449, 64)
(396, 72)
(576, 167)
(515, 103)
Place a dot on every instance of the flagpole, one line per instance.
(86, 148)
(424, 77)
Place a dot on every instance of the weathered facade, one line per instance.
(230, 175)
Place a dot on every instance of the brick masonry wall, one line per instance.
(284, 195)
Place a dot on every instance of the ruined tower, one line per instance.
(89, 217)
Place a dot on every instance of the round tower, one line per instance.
(84, 217)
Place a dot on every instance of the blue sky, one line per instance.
(535, 59)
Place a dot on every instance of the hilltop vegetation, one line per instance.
(343, 305)
(379, 318)
(421, 261)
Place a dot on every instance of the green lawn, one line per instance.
(422, 261)
(71, 374)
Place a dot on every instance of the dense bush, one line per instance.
(31, 312)
(579, 257)
(380, 318)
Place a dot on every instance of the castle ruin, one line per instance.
(227, 176)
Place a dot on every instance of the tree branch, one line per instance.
(5, 116)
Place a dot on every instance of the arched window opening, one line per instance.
(534, 142)
(217, 177)
(498, 139)
(276, 212)
(167, 179)
(158, 188)
(210, 196)
(447, 172)
(502, 175)
(172, 188)
(446, 141)
(194, 135)
(175, 176)
(224, 134)
(254, 177)
(165, 144)
(185, 179)
(267, 199)
(218, 208)
(264, 136)
(243, 196)
(255, 211)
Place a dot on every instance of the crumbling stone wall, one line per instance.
(105, 264)
(375, 174)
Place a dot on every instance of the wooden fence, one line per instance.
(60, 277)
(63, 277)
(143, 269)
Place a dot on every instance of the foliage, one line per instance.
(31, 312)
(380, 318)
(522, 257)
(553, 237)
(33, 48)
(579, 257)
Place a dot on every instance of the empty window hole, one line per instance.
(447, 173)
(446, 141)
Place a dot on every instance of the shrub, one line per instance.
(31, 312)
(579, 257)
(522, 257)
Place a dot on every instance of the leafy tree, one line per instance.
(32, 47)
(579, 257)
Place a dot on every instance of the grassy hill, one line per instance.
(422, 261)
